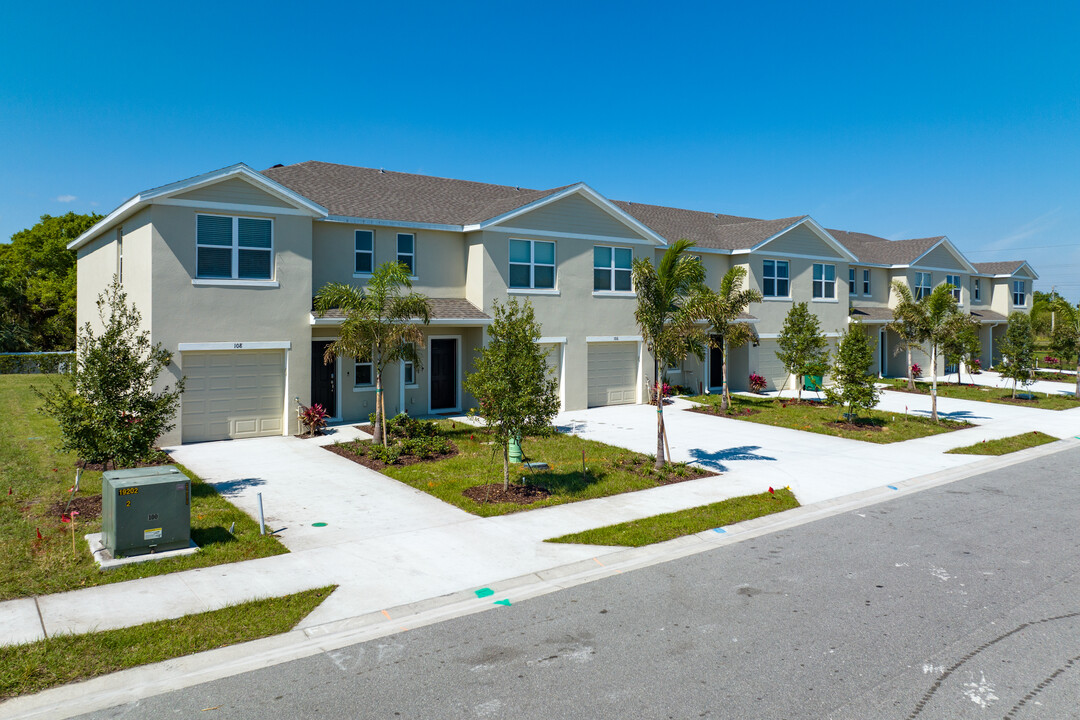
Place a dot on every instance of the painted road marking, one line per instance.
(484, 592)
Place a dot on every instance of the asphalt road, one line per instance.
(956, 602)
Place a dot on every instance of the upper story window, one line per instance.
(975, 290)
(235, 248)
(954, 280)
(611, 268)
(365, 251)
(922, 285)
(774, 279)
(824, 281)
(866, 282)
(851, 281)
(406, 251)
(532, 264)
(1019, 293)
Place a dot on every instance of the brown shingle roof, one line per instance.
(384, 195)
(988, 316)
(869, 313)
(1005, 267)
(878, 250)
(441, 309)
(706, 229)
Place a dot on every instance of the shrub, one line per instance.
(916, 371)
(388, 454)
(757, 383)
(1052, 362)
(425, 447)
(314, 418)
(976, 366)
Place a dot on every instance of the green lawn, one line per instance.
(1004, 446)
(610, 470)
(876, 426)
(63, 659)
(38, 477)
(659, 528)
(982, 393)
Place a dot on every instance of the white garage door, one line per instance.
(232, 394)
(769, 366)
(613, 371)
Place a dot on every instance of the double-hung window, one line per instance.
(866, 282)
(234, 248)
(774, 279)
(975, 290)
(364, 373)
(824, 281)
(532, 264)
(611, 268)
(365, 252)
(922, 285)
(851, 281)
(954, 280)
(1019, 293)
(406, 251)
(408, 370)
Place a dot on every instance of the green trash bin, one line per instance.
(813, 382)
(515, 450)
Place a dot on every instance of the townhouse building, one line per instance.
(223, 267)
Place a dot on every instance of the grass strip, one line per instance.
(659, 528)
(1004, 446)
(983, 393)
(64, 659)
(34, 477)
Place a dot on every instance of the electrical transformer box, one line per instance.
(145, 510)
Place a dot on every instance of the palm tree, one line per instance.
(668, 308)
(906, 325)
(932, 319)
(722, 310)
(1065, 340)
(380, 324)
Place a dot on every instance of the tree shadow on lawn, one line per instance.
(957, 415)
(570, 482)
(715, 460)
(211, 536)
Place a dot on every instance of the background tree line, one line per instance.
(37, 285)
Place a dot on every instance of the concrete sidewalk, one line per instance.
(387, 545)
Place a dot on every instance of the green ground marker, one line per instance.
(504, 603)
(318, 524)
(484, 592)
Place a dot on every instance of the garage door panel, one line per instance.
(769, 366)
(233, 394)
(612, 374)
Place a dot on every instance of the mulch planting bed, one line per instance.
(347, 451)
(855, 427)
(715, 410)
(87, 507)
(642, 465)
(1019, 400)
(517, 494)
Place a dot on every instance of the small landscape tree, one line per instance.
(1065, 340)
(804, 349)
(108, 409)
(1018, 350)
(382, 323)
(853, 386)
(722, 310)
(669, 300)
(906, 325)
(512, 384)
(961, 343)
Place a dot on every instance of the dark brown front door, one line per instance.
(443, 374)
(323, 382)
(716, 366)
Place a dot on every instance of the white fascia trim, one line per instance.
(774, 336)
(239, 169)
(233, 207)
(348, 220)
(460, 322)
(234, 282)
(952, 251)
(612, 338)
(574, 236)
(818, 230)
(551, 340)
(832, 260)
(862, 321)
(261, 345)
(578, 189)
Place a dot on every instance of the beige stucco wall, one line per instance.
(98, 263)
(772, 311)
(234, 190)
(440, 257)
(185, 313)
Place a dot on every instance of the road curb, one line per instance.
(149, 680)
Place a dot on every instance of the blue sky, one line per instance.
(902, 120)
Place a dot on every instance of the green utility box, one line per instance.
(813, 382)
(145, 510)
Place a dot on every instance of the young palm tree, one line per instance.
(932, 319)
(906, 325)
(380, 324)
(722, 310)
(668, 308)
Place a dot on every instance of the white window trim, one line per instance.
(958, 288)
(611, 270)
(867, 285)
(852, 275)
(926, 289)
(358, 273)
(532, 267)
(774, 278)
(976, 290)
(364, 388)
(236, 251)
(823, 281)
(399, 254)
(1023, 291)
(531, 291)
(215, 282)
